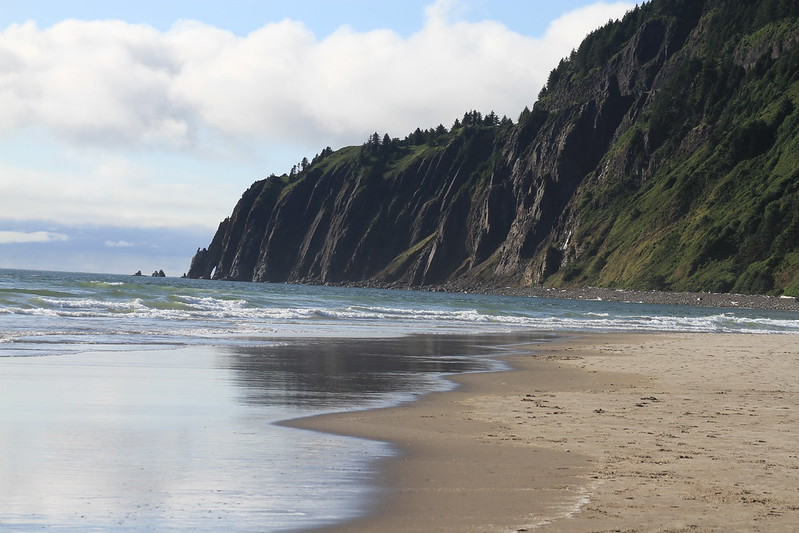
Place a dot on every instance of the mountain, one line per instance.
(662, 154)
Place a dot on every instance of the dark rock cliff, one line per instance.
(661, 154)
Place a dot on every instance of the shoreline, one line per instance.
(693, 299)
(639, 431)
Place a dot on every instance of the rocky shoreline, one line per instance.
(703, 299)
(699, 299)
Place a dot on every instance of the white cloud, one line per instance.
(112, 82)
(119, 244)
(90, 82)
(18, 237)
(113, 190)
(569, 30)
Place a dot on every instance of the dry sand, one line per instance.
(649, 432)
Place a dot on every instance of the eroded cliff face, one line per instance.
(495, 204)
(348, 220)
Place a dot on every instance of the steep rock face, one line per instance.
(661, 154)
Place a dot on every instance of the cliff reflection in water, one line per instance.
(346, 373)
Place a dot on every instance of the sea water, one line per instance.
(135, 403)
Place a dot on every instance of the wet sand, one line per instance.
(641, 432)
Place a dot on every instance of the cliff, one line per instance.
(662, 154)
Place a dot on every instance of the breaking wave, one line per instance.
(75, 310)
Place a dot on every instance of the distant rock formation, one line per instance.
(158, 274)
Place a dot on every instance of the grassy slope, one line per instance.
(721, 210)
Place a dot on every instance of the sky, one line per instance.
(129, 129)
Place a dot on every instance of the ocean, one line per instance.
(136, 403)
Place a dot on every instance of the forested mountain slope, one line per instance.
(662, 154)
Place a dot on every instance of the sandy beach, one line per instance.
(638, 432)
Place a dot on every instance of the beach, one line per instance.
(135, 403)
(608, 432)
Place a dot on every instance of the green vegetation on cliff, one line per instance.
(662, 154)
(717, 206)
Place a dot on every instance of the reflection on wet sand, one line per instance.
(334, 374)
(186, 439)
